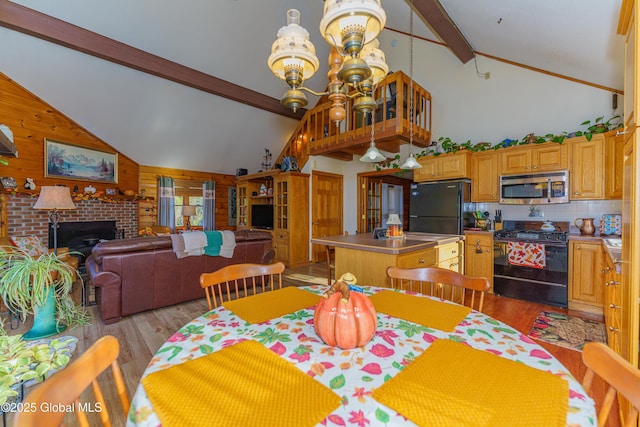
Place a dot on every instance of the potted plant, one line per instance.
(39, 285)
(599, 126)
(22, 363)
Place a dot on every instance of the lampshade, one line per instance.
(372, 155)
(188, 210)
(350, 24)
(394, 219)
(375, 59)
(293, 56)
(411, 163)
(54, 197)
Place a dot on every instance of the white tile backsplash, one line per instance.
(557, 212)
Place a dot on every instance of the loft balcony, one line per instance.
(318, 136)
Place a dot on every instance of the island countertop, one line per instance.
(411, 243)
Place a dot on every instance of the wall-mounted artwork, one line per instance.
(69, 161)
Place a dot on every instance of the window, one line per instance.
(188, 193)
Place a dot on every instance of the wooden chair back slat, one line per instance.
(242, 279)
(441, 283)
(620, 375)
(65, 387)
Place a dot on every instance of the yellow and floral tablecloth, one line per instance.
(354, 375)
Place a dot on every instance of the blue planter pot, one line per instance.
(44, 320)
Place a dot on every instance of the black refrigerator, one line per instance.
(442, 207)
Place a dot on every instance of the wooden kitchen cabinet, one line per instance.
(549, 156)
(629, 289)
(478, 255)
(451, 256)
(444, 166)
(587, 173)
(586, 291)
(484, 177)
(614, 159)
(612, 303)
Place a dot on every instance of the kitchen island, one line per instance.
(368, 258)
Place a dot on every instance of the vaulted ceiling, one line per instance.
(186, 85)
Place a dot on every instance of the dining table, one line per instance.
(259, 361)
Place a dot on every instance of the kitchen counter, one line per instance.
(368, 258)
(411, 243)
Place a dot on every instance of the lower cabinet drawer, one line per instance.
(453, 264)
(448, 251)
(425, 258)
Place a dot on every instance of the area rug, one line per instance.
(567, 331)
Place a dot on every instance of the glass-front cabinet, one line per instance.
(291, 218)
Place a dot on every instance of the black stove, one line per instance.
(532, 236)
(544, 281)
(530, 231)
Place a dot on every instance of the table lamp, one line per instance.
(394, 227)
(54, 199)
(187, 212)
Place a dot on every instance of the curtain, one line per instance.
(166, 203)
(209, 205)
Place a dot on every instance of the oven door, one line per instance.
(548, 285)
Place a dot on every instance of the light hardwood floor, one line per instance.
(142, 334)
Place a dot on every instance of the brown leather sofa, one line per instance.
(143, 273)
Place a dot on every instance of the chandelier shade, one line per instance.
(350, 24)
(293, 56)
(375, 59)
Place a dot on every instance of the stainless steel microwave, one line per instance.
(535, 189)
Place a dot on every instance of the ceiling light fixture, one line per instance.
(411, 162)
(349, 26)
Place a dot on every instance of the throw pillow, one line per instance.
(30, 244)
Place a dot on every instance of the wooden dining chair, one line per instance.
(440, 282)
(63, 389)
(247, 278)
(620, 375)
(331, 257)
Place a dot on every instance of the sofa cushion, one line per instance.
(130, 245)
(32, 245)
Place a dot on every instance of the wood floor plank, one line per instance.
(142, 334)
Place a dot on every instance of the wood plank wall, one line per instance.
(32, 120)
(148, 185)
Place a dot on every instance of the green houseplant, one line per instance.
(21, 363)
(39, 285)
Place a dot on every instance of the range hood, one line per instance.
(7, 147)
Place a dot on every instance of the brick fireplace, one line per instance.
(23, 220)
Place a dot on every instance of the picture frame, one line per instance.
(68, 161)
(379, 233)
(8, 182)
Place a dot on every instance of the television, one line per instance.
(262, 216)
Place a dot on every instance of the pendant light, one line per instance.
(372, 155)
(411, 162)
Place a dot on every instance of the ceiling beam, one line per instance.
(36, 24)
(434, 15)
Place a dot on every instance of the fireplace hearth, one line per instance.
(82, 236)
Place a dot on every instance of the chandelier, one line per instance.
(351, 28)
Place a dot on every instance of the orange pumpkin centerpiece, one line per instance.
(345, 319)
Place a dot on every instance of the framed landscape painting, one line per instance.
(69, 161)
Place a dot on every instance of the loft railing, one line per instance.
(316, 135)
